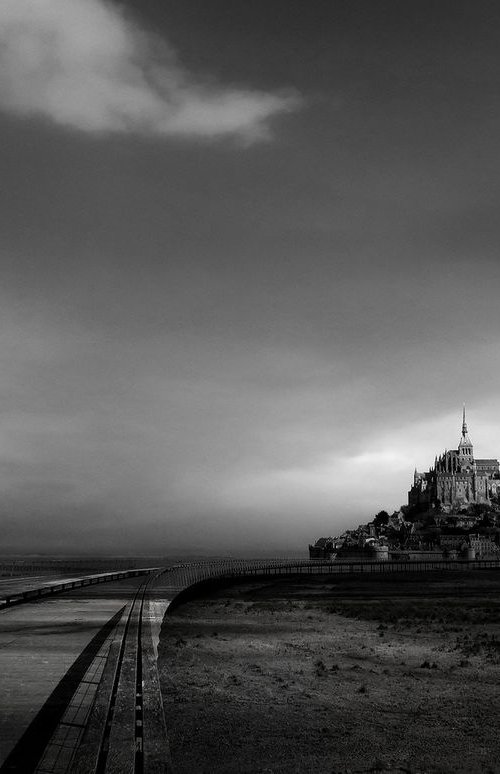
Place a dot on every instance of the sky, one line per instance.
(249, 265)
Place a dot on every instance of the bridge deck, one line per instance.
(17, 591)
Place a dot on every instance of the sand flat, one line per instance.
(314, 677)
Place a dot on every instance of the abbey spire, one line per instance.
(465, 449)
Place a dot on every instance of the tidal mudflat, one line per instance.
(336, 675)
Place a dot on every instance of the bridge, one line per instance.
(98, 709)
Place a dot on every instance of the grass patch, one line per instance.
(409, 612)
(273, 606)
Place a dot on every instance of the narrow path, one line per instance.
(39, 643)
(30, 747)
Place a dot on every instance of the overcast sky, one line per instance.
(250, 265)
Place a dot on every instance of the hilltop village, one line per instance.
(453, 511)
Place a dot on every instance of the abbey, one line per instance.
(457, 479)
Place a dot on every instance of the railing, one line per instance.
(182, 577)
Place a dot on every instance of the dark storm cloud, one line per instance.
(211, 346)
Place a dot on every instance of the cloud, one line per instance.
(84, 64)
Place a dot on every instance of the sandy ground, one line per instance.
(322, 676)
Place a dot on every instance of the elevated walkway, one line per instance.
(17, 591)
(180, 582)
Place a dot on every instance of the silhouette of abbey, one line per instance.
(457, 480)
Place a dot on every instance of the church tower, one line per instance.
(465, 449)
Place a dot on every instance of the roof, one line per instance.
(487, 462)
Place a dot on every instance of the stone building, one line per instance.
(322, 549)
(483, 546)
(456, 480)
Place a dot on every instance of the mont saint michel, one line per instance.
(456, 480)
(453, 509)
